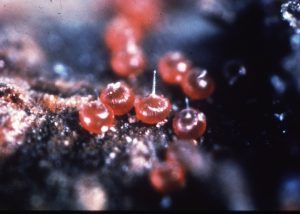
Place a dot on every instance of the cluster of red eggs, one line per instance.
(122, 37)
(124, 33)
(118, 99)
(176, 69)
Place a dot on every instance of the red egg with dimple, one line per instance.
(95, 117)
(119, 97)
(121, 31)
(152, 109)
(173, 66)
(197, 84)
(130, 61)
(189, 123)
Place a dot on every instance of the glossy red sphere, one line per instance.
(129, 61)
(173, 66)
(120, 31)
(119, 97)
(189, 124)
(167, 176)
(152, 109)
(95, 117)
(197, 84)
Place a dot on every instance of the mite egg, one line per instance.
(167, 177)
(95, 117)
(189, 123)
(119, 97)
(153, 108)
(119, 32)
(129, 61)
(173, 66)
(197, 84)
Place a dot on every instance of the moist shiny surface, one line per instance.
(197, 84)
(95, 117)
(173, 66)
(152, 109)
(119, 96)
(189, 124)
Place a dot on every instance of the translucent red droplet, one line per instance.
(173, 66)
(129, 61)
(189, 124)
(119, 96)
(95, 117)
(197, 84)
(152, 109)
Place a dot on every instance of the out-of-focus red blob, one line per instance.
(95, 117)
(129, 61)
(189, 123)
(120, 31)
(197, 84)
(173, 66)
(119, 96)
(167, 177)
(152, 109)
(144, 12)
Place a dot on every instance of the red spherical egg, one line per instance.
(197, 84)
(173, 66)
(144, 12)
(189, 123)
(152, 109)
(95, 117)
(119, 31)
(119, 97)
(129, 61)
(167, 177)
